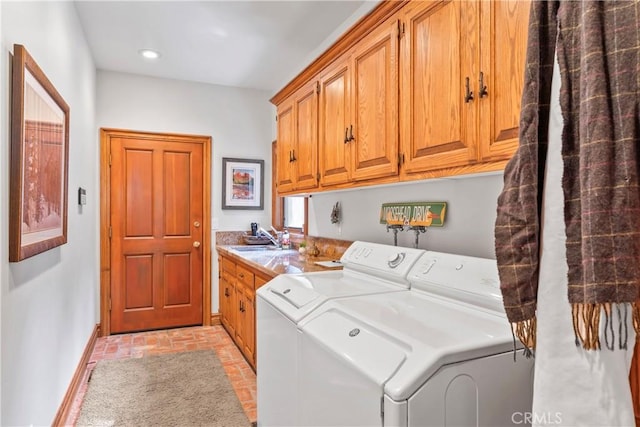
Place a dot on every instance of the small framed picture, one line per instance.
(242, 184)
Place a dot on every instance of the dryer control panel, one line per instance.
(468, 279)
(382, 261)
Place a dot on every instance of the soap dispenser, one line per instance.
(286, 239)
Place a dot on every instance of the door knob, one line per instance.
(196, 244)
(196, 224)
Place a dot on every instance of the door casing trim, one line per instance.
(105, 208)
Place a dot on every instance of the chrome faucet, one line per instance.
(265, 233)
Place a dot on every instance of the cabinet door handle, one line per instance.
(483, 88)
(294, 155)
(241, 275)
(290, 157)
(351, 138)
(226, 292)
(346, 135)
(468, 97)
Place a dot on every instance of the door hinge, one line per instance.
(110, 304)
(276, 117)
(318, 87)
(110, 231)
(382, 408)
(109, 159)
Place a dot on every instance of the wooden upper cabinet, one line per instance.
(297, 143)
(503, 55)
(439, 53)
(461, 82)
(417, 89)
(286, 136)
(334, 119)
(305, 151)
(374, 103)
(359, 110)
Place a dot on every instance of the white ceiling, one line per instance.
(253, 44)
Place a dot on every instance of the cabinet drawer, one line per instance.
(228, 266)
(244, 276)
(228, 277)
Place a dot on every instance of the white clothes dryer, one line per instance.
(441, 354)
(369, 268)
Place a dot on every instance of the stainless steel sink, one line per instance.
(254, 248)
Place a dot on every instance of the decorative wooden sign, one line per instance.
(426, 214)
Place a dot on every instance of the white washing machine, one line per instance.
(369, 268)
(441, 354)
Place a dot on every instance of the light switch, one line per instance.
(82, 196)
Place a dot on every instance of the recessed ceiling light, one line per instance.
(149, 53)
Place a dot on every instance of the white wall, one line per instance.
(365, 8)
(48, 307)
(240, 122)
(469, 220)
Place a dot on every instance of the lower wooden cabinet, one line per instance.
(237, 286)
(227, 294)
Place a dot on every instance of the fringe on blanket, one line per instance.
(525, 331)
(586, 324)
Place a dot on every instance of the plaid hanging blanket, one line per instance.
(598, 50)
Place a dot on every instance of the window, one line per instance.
(294, 211)
(290, 213)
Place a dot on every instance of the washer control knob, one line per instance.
(395, 259)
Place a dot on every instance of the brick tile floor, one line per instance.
(142, 344)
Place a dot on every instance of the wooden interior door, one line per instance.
(158, 231)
